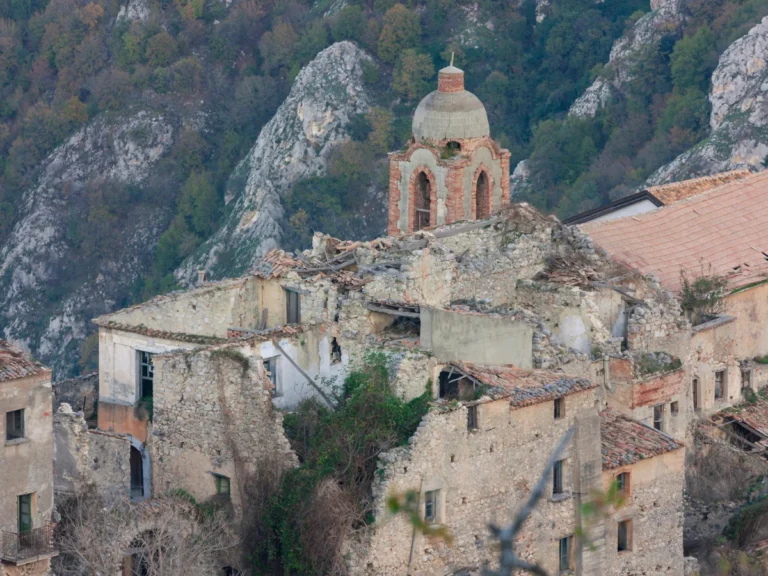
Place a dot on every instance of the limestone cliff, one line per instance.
(739, 117)
(49, 291)
(295, 144)
(665, 18)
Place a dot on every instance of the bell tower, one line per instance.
(452, 169)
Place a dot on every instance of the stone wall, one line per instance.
(213, 414)
(84, 457)
(482, 475)
(655, 507)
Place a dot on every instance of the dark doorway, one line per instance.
(482, 197)
(422, 206)
(137, 474)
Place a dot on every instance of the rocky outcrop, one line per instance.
(294, 144)
(665, 18)
(739, 117)
(48, 293)
(134, 10)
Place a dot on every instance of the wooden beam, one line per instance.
(384, 310)
(311, 382)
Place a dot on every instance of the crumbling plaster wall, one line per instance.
(411, 370)
(26, 465)
(483, 476)
(84, 457)
(207, 311)
(213, 414)
(655, 506)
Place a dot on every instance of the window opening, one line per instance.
(292, 307)
(746, 378)
(622, 482)
(565, 554)
(456, 386)
(559, 408)
(658, 417)
(472, 417)
(482, 198)
(222, 485)
(557, 477)
(430, 506)
(147, 375)
(674, 407)
(270, 367)
(719, 384)
(335, 352)
(25, 513)
(624, 536)
(14, 425)
(137, 474)
(423, 202)
(695, 394)
(453, 145)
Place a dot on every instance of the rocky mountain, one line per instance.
(51, 285)
(739, 116)
(294, 144)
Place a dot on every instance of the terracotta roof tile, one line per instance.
(723, 227)
(14, 363)
(675, 191)
(524, 387)
(753, 416)
(164, 334)
(626, 441)
(275, 264)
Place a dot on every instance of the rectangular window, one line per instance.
(222, 485)
(270, 367)
(146, 375)
(292, 307)
(658, 417)
(622, 482)
(559, 408)
(14, 425)
(719, 384)
(674, 408)
(25, 513)
(431, 501)
(695, 394)
(472, 417)
(557, 477)
(624, 536)
(746, 378)
(565, 554)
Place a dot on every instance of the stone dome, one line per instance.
(450, 112)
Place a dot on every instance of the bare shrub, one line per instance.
(719, 472)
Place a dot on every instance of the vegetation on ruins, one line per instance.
(328, 497)
(701, 296)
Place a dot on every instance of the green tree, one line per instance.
(412, 73)
(198, 204)
(693, 60)
(278, 45)
(161, 49)
(349, 24)
(401, 31)
(381, 136)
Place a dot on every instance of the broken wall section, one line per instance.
(84, 458)
(214, 418)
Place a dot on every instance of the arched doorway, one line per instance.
(422, 204)
(482, 197)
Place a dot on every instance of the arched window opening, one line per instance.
(454, 146)
(423, 201)
(482, 197)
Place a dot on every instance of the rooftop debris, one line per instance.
(676, 191)
(626, 441)
(164, 334)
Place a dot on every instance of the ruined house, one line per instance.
(717, 232)
(26, 470)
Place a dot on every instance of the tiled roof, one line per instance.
(524, 387)
(626, 441)
(165, 335)
(723, 228)
(752, 416)
(16, 364)
(676, 191)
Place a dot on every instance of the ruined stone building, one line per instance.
(26, 464)
(715, 232)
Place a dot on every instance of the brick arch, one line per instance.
(482, 204)
(413, 193)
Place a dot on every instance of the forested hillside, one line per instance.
(156, 107)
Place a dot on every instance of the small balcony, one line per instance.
(19, 549)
